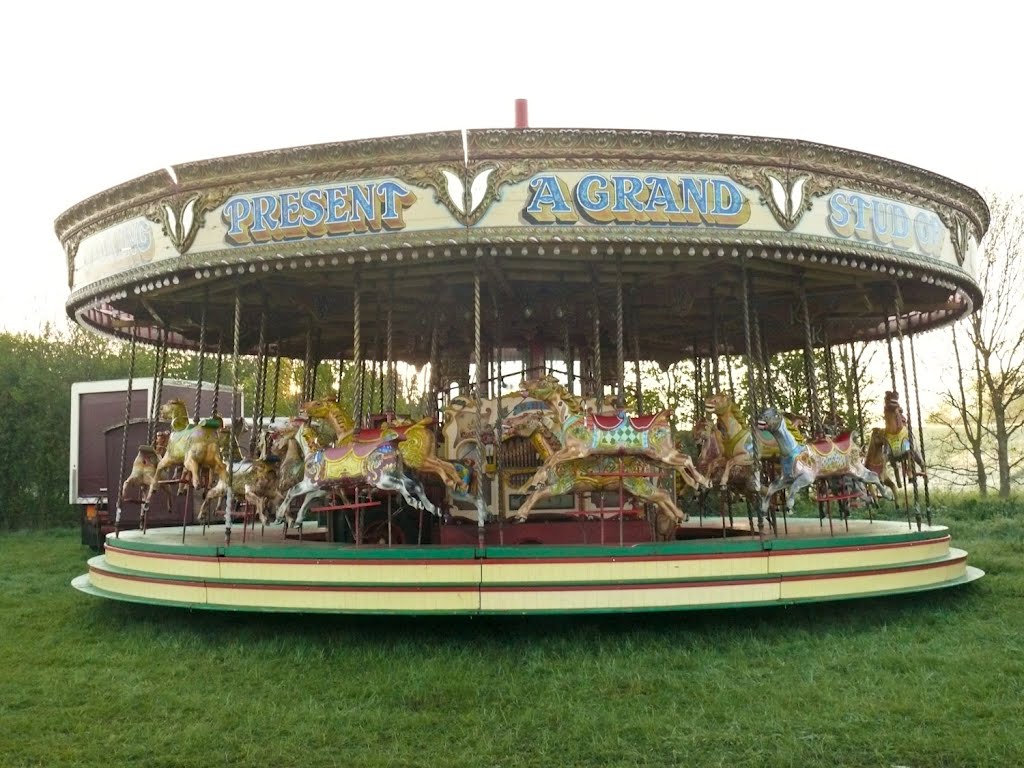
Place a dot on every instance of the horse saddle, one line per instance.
(609, 423)
(841, 443)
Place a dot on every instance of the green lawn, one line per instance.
(935, 679)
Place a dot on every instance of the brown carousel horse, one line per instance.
(255, 479)
(731, 473)
(877, 458)
(590, 475)
(901, 448)
(583, 434)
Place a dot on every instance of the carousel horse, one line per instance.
(729, 472)
(583, 434)
(193, 447)
(737, 447)
(596, 473)
(877, 458)
(803, 464)
(897, 435)
(255, 479)
(372, 457)
(418, 445)
(144, 467)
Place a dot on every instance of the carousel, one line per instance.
(528, 282)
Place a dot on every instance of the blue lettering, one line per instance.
(363, 202)
(587, 198)
(389, 191)
(546, 197)
(727, 199)
(289, 210)
(264, 214)
(313, 207)
(236, 211)
(695, 191)
(337, 205)
(627, 188)
(661, 197)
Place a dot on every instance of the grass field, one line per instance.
(935, 679)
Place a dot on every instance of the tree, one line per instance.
(996, 333)
(964, 414)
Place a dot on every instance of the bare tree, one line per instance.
(964, 413)
(997, 331)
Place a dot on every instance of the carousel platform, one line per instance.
(701, 569)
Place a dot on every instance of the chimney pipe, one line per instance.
(522, 120)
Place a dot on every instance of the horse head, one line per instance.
(770, 420)
(173, 409)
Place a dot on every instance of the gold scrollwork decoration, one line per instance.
(182, 216)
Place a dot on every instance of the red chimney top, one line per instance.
(522, 120)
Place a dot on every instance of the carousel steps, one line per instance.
(884, 559)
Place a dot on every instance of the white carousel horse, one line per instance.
(801, 464)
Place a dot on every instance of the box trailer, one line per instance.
(97, 430)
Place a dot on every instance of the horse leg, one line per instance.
(416, 489)
(544, 492)
(651, 493)
(319, 493)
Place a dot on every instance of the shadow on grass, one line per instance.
(847, 617)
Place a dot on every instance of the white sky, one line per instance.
(98, 93)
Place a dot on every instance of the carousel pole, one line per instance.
(620, 357)
(500, 417)
(712, 388)
(909, 460)
(392, 378)
(277, 381)
(830, 377)
(856, 393)
(433, 386)
(477, 344)
(812, 379)
(635, 338)
(920, 432)
(124, 434)
(201, 362)
(158, 384)
(261, 375)
(229, 500)
(566, 346)
(698, 384)
(598, 383)
(357, 349)
(752, 394)
(216, 383)
(158, 390)
(895, 390)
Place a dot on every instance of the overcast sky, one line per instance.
(98, 93)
